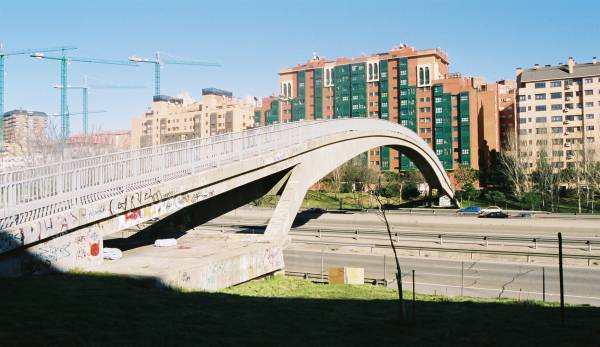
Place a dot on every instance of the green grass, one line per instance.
(328, 200)
(94, 309)
(567, 205)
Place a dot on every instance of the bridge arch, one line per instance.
(71, 205)
(336, 149)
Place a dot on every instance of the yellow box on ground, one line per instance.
(346, 275)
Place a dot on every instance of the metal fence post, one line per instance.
(384, 271)
(543, 284)
(414, 312)
(322, 275)
(560, 273)
(462, 277)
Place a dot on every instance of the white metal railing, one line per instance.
(74, 183)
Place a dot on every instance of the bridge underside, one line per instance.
(185, 203)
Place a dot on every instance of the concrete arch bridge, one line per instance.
(59, 213)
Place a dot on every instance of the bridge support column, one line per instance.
(288, 205)
(78, 249)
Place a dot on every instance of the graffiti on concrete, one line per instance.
(131, 218)
(95, 213)
(134, 200)
(37, 230)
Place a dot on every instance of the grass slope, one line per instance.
(95, 309)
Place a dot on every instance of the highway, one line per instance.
(453, 277)
(541, 227)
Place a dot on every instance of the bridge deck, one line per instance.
(200, 260)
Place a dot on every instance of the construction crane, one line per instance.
(3, 55)
(85, 87)
(77, 113)
(64, 126)
(158, 62)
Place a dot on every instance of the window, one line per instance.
(540, 131)
(376, 70)
(522, 109)
(540, 119)
(540, 96)
(522, 131)
(556, 95)
(589, 139)
(589, 127)
(427, 75)
(589, 80)
(522, 97)
(557, 118)
(522, 120)
(589, 92)
(555, 107)
(540, 108)
(540, 85)
(589, 104)
(438, 110)
(557, 130)
(555, 84)
(589, 116)
(439, 141)
(541, 142)
(557, 141)
(465, 151)
(557, 153)
(438, 99)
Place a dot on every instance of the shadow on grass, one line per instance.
(87, 309)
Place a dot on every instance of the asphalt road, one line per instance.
(453, 277)
(431, 223)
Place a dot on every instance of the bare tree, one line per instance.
(515, 165)
(383, 216)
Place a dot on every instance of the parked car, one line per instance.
(469, 210)
(494, 214)
(490, 209)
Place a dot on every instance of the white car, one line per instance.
(490, 209)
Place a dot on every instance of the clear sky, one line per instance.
(254, 39)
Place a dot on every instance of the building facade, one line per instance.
(172, 119)
(456, 115)
(108, 141)
(558, 112)
(507, 90)
(24, 130)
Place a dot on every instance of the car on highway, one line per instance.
(490, 209)
(469, 210)
(494, 214)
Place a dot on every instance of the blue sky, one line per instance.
(254, 39)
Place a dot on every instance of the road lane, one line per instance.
(445, 276)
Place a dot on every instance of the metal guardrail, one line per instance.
(528, 255)
(324, 278)
(66, 185)
(439, 237)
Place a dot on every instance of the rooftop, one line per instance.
(396, 52)
(18, 112)
(561, 71)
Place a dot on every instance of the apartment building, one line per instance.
(507, 111)
(171, 119)
(109, 140)
(456, 115)
(558, 112)
(24, 130)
